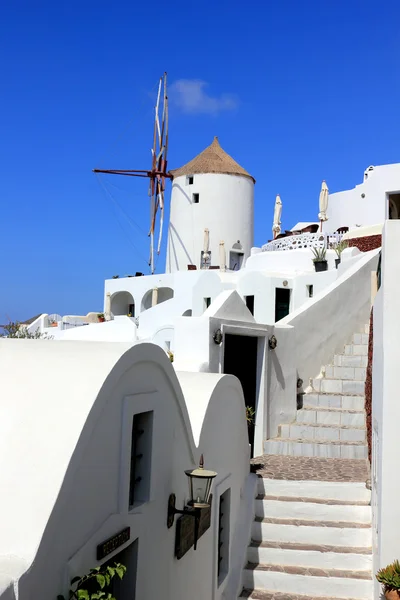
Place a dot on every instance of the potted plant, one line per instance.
(339, 249)
(101, 318)
(319, 260)
(389, 577)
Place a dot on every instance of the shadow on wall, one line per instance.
(162, 294)
(122, 303)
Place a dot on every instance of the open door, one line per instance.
(240, 359)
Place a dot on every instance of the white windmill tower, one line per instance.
(211, 192)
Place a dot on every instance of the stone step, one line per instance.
(310, 555)
(264, 595)
(356, 349)
(325, 511)
(317, 432)
(334, 401)
(320, 532)
(348, 373)
(360, 339)
(323, 416)
(338, 386)
(350, 360)
(321, 449)
(310, 491)
(311, 582)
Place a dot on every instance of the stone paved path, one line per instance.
(300, 468)
(259, 595)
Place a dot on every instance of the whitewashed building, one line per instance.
(295, 339)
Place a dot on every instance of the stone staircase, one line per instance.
(331, 423)
(312, 537)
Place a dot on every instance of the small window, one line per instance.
(223, 535)
(207, 302)
(310, 290)
(139, 484)
(196, 198)
(190, 179)
(250, 303)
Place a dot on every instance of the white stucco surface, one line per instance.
(324, 323)
(367, 203)
(225, 208)
(385, 404)
(66, 412)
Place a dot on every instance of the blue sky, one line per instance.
(296, 91)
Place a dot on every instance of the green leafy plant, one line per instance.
(250, 412)
(389, 577)
(16, 329)
(115, 276)
(339, 247)
(93, 586)
(319, 254)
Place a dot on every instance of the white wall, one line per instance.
(57, 505)
(226, 209)
(349, 208)
(324, 323)
(385, 403)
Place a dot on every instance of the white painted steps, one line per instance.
(313, 539)
(331, 423)
(310, 538)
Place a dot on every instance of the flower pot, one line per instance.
(320, 265)
(102, 319)
(392, 595)
(337, 262)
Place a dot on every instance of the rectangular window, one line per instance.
(141, 444)
(250, 303)
(207, 302)
(310, 290)
(190, 179)
(196, 198)
(282, 303)
(223, 535)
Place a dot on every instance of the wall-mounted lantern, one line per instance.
(272, 342)
(217, 337)
(200, 482)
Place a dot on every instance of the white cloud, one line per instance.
(191, 96)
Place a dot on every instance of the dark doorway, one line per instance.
(250, 303)
(125, 589)
(240, 359)
(282, 303)
(394, 206)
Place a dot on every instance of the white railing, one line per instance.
(303, 240)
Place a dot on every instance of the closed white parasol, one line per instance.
(222, 256)
(323, 203)
(276, 225)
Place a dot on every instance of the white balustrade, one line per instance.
(303, 240)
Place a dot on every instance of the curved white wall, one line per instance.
(225, 207)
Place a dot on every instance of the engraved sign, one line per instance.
(185, 525)
(114, 542)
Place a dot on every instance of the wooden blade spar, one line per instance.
(158, 173)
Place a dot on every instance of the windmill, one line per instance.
(158, 173)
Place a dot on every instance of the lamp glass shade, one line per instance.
(200, 482)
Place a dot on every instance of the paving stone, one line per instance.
(302, 468)
(261, 595)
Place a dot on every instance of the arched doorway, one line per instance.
(162, 295)
(122, 303)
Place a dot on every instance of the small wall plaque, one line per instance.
(114, 542)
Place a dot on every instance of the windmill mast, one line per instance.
(158, 173)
